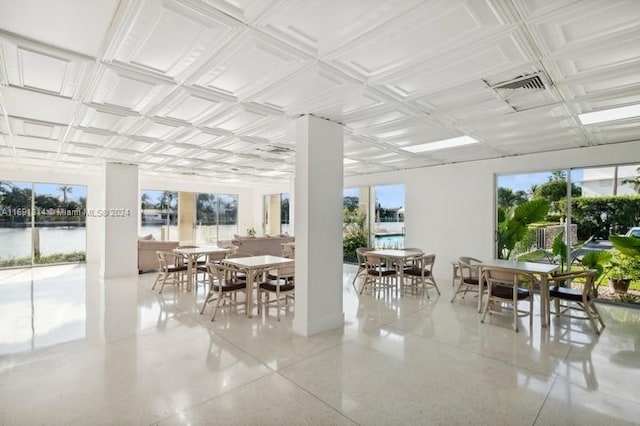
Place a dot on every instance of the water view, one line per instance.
(16, 242)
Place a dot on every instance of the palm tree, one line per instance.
(635, 181)
(144, 204)
(65, 189)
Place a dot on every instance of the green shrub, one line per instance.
(602, 216)
(353, 234)
(76, 256)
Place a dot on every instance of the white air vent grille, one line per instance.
(526, 92)
(526, 82)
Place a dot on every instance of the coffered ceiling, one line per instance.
(211, 87)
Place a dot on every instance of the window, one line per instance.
(42, 223)
(159, 214)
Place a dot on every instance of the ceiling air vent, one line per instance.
(526, 92)
(527, 82)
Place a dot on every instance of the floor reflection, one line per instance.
(66, 335)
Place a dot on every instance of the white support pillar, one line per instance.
(318, 216)
(120, 257)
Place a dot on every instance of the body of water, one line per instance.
(16, 242)
(389, 241)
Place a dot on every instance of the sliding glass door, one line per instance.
(42, 223)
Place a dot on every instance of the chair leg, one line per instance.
(597, 313)
(157, 280)
(433, 280)
(215, 308)
(164, 281)
(456, 291)
(353, 283)
(486, 309)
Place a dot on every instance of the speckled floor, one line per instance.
(77, 350)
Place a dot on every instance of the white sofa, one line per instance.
(261, 245)
(147, 257)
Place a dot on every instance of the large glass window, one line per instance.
(285, 213)
(276, 214)
(15, 223)
(216, 216)
(586, 207)
(60, 232)
(159, 214)
(389, 227)
(354, 227)
(378, 223)
(42, 223)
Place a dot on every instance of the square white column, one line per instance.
(121, 200)
(318, 216)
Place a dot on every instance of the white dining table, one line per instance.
(192, 254)
(541, 270)
(399, 257)
(254, 265)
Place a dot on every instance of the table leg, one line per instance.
(189, 273)
(249, 293)
(544, 300)
(480, 288)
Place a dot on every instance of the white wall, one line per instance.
(450, 209)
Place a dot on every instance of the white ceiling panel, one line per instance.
(297, 93)
(169, 37)
(425, 33)
(248, 64)
(213, 88)
(586, 23)
(76, 25)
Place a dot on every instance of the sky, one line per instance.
(523, 182)
(389, 196)
(53, 189)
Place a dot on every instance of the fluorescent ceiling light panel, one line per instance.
(347, 161)
(610, 114)
(443, 144)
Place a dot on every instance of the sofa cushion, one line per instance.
(262, 245)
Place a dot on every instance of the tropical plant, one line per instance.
(513, 224)
(634, 181)
(559, 249)
(598, 260)
(627, 258)
(353, 233)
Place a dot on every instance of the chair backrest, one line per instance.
(565, 280)
(503, 277)
(168, 258)
(360, 251)
(372, 260)
(216, 257)
(286, 273)
(220, 272)
(288, 250)
(427, 261)
(238, 254)
(469, 267)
